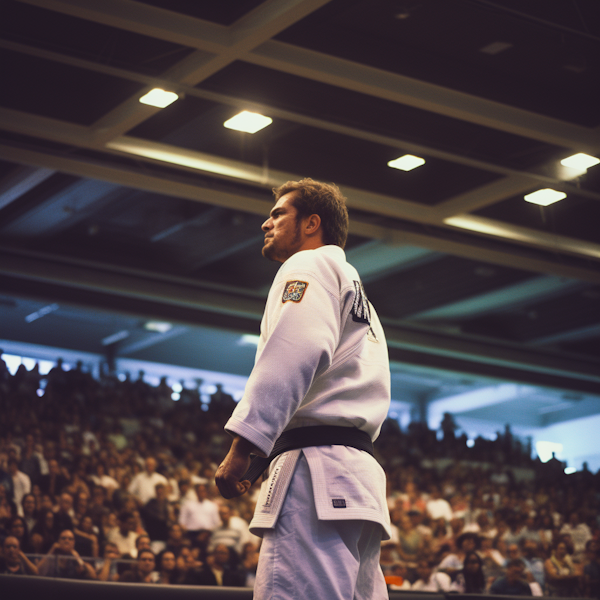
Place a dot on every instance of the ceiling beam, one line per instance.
(202, 297)
(425, 96)
(21, 180)
(461, 203)
(360, 199)
(216, 39)
(508, 298)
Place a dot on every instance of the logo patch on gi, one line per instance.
(294, 291)
(338, 502)
(361, 312)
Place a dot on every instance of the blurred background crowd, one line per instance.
(111, 479)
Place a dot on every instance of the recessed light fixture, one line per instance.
(581, 162)
(115, 337)
(159, 326)
(159, 98)
(545, 197)
(248, 122)
(408, 162)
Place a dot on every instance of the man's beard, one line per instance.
(276, 253)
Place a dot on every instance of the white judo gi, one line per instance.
(321, 360)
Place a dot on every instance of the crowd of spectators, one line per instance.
(111, 479)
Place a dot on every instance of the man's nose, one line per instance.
(267, 225)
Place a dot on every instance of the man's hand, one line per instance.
(233, 467)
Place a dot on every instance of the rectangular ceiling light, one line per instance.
(38, 314)
(545, 197)
(581, 162)
(159, 98)
(408, 162)
(248, 122)
(115, 337)
(159, 326)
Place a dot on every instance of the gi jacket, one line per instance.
(321, 360)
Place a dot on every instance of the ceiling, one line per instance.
(113, 212)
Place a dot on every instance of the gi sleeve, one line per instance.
(299, 335)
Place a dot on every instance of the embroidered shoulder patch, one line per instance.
(294, 291)
(338, 503)
(361, 311)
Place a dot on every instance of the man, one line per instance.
(64, 561)
(232, 531)
(218, 570)
(143, 485)
(21, 484)
(513, 583)
(321, 361)
(196, 515)
(533, 563)
(63, 517)
(124, 537)
(143, 570)
(430, 581)
(14, 562)
(157, 514)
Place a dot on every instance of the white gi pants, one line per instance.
(303, 558)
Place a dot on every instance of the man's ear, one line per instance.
(313, 225)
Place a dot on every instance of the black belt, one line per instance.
(303, 437)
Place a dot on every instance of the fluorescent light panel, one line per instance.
(159, 98)
(408, 162)
(545, 197)
(248, 122)
(158, 326)
(581, 162)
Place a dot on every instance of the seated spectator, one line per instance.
(143, 542)
(13, 561)
(55, 480)
(124, 536)
(157, 514)
(531, 557)
(580, 533)
(101, 479)
(453, 563)
(203, 513)
(106, 567)
(16, 527)
(143, 485)
(44, 533)
(562, 574)
(64, 561)
(167, 568)
(233, 531)
(176, 539)
(430, 580)
(63, 517)
(493, 559)
(513, 583)
(81, 505)
(249, 563)
(471, 580)
(143, 571)
(410, 542)
(220, 569)
(438, 507)
(86, 541)
(29, 512)
(21, 483)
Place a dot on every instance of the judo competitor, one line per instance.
(315, 401)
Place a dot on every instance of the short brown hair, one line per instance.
(323, 199)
